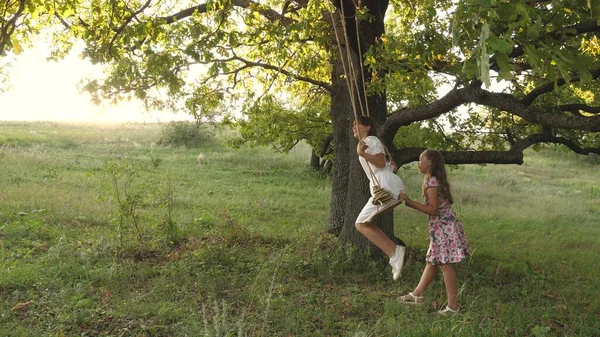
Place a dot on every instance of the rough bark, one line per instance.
(340, 111)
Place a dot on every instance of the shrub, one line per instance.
(186, 133)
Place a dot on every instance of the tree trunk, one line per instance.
(315, 161)
(350, 188)
(340, 112)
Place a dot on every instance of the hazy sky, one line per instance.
(42, 90)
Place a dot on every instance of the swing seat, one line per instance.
(384, 200)
(380, 196)
(387, 206)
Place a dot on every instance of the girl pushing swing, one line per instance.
(448, 244)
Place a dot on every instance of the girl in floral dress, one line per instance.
(448, 244)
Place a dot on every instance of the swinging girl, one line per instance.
(385, 188)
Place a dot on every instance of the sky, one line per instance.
(41, 90)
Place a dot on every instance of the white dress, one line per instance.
(386, 179)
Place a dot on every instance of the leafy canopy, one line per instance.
(267, 67)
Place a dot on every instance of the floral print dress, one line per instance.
(447, 240)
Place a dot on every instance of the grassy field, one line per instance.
(231, 243)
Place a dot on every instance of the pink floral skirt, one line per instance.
(447, 240)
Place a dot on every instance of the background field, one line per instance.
(231, 243)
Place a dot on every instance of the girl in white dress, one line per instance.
(379, 168)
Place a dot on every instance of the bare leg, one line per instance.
(451, 285)
(426, 278)
(377, 237)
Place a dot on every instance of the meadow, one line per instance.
(105, 232)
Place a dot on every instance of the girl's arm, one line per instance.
(394, 166)
(378, 160)
(433, 202)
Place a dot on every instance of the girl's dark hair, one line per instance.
(438, 170)
(368, 121)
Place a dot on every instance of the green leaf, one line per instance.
(497, 44)
(533, 31)
(484, 59)
(505, 71)
(470, 68)
(16, 47)
(455, 31)
(594, 6)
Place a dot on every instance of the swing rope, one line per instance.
(380, 195)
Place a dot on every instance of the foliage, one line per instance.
(125, 186)
(121, 179)
(172, 234)
(270, 123)
(210, 60)
(186, 133)
(505, 26)
(23, 20)
(511, 46)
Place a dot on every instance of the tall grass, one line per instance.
(256, 261)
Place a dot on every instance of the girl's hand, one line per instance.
(402, 197)
(361, 147)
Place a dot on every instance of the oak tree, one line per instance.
(481, 80)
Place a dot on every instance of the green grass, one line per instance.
(254, 258)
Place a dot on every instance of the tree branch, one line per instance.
(127, 21)
(575, 108)
(322, 84)
(10, 26)
(549, 138)
(562, 33)
(513, 156)
(548, 87)
(531, 114)
(270, 14)
(501, 101)
(410, 154)
(62, 21)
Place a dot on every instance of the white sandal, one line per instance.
(447, 311)
(411, 298)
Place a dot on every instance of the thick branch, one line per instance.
(548, 138)
(268, 13)
(501, 101)
(513, 156)
(548, 87)
(576, 108)
(411, 154)
(450, 101)
(9, 27)
(531, 114)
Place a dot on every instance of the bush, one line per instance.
(186, 133)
